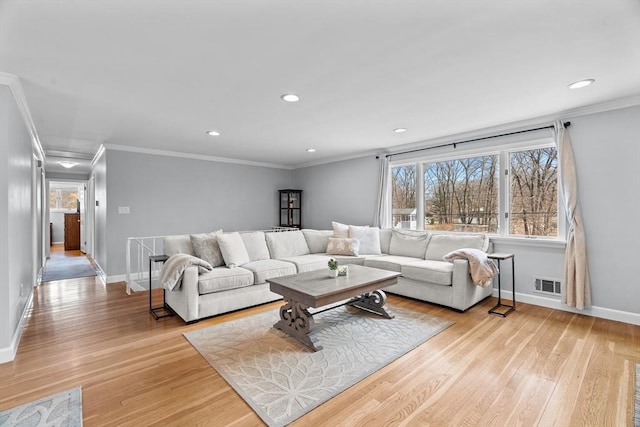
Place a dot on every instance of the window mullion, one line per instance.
(504, 190)
(420, 196)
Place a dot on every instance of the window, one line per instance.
(471, 194)
(462, 195)
(534, 192)
(403, 202)
(63, 198)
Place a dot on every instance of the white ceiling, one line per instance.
(153, 74)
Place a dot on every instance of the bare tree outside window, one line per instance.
(534, 192)
(403, 204)
(462, 195)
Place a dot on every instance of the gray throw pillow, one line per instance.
(205, 246)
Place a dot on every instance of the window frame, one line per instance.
(503, 151)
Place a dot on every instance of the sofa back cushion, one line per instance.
(385, 239)
(256, 245)
(286, 244)
(317, 240)
(442, 244)
(233, 250)
(179, 244)
(408, 243)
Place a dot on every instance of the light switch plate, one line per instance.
(123, 210)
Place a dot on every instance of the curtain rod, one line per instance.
(454, 144)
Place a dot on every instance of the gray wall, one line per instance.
(171, 195)
(607, 152)
(16, 219)
(342, 191)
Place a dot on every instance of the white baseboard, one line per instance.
(604, 313)
(7, 354)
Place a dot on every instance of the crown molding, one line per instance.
(16, 89)
(193, 156)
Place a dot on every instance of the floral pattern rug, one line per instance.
(282, 380)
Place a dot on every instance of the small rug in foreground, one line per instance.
(62, 409)
(67, 268)
(282, 380)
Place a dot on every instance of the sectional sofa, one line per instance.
(243, 262)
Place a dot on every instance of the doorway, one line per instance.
(69, 231)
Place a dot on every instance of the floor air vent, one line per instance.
(547, 286)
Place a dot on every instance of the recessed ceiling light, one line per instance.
(400, 130)
(311, 150)
(581, 83)
(67, 164)
(213, 133)
(290, 97)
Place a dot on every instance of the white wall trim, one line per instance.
(7, 354)
(194, 156)
(16, 89)
(554, 303)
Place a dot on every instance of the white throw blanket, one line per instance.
(173, 268)
(482, 269)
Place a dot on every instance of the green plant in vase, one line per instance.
(333, 267)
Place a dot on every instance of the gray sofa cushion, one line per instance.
(207, 247)
(309, 262)
(391, 262)
(385, 239)
(408, 243)
(223, 278)
(438, 272)
(441, 244)
(317, 240)
(286, 244)
(256, 245)
(268, 268)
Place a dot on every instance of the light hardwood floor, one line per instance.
(535, 367)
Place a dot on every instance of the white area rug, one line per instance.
(60, 410)
(282, 380)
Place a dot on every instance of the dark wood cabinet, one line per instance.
(71, 231)
(290, 208)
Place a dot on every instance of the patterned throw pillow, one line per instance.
(343, 246)
(206, 247)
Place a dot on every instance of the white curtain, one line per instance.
(382, 217)
(576, 290)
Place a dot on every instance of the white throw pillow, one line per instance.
(340, 230)
(369, 238)
(407, 243)
(206, 247)
(256, 245)
(233, 250)
(342, 246)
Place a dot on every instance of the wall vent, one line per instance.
(547, 286)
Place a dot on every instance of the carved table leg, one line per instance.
(373, 302)
(296, 321)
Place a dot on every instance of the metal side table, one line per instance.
(498, 310)
(162, 310)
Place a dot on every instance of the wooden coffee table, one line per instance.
(361, 287)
